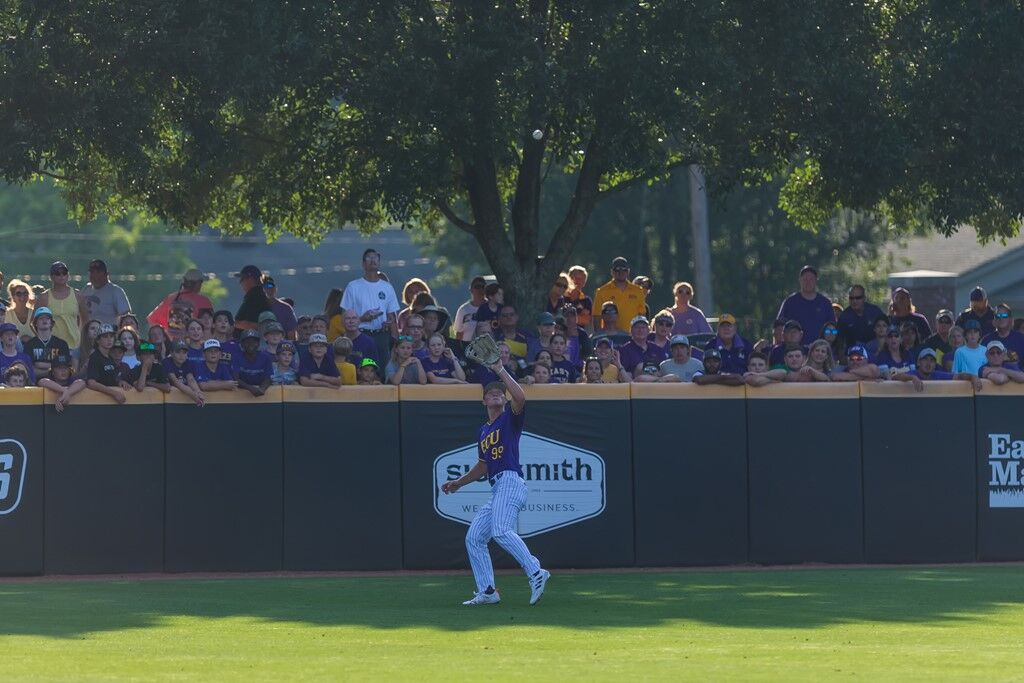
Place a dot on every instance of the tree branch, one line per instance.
(639, 180)
(55, 176)
(453, 218)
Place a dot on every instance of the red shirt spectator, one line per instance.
(187, 297)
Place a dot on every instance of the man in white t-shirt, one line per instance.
(374, 299)
(465, 323)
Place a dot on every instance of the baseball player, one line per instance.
(499, 459)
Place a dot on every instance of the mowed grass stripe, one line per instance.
(911, 624)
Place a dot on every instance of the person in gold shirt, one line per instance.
(628, 298)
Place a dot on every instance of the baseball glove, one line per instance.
(483, 350)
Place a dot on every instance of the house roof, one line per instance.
(959, 253)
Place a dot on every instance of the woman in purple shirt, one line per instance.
(440, 364)
(688, 319)
(893, 360)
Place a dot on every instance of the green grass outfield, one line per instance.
(809, 624)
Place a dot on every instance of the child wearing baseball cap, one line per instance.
(315, 368)
(284, 365)
(368, 373)
(62, 382)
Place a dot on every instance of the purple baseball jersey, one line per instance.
(499, 442)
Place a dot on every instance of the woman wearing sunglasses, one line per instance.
(68, 307)
(836, 343)
(20, 312)
(663, 324)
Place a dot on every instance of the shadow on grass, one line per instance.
(785, 599)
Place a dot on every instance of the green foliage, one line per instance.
(304, 117)
(143, 257)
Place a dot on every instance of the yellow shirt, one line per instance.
(335, 329)
(610, 374)
(347, 371)
(65, 318)
(24, 329)
(631, 302)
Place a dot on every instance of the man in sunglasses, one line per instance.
(856, 322)
(1011, 339)
(858, 368)
(630, 300)
(996, 369)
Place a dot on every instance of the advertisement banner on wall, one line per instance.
(21, 484)
(999, 434)
(577, 468)
(568, 482)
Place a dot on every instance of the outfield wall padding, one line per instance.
(104, 484)
(618, 475)
(224, 482)
(919, 497)
(22, 465)
(690, 474)
(804, 451)
(342, 499)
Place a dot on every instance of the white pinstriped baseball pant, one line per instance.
(498, 519)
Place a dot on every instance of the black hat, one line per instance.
(250, 271)
(712, 353)
(61, 361)
(978, 294)
(620, 262)
(793, 325)
(809, 269)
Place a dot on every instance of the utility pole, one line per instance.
(704, 297)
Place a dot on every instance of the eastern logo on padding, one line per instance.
(13, 465)
(566, 484)
(1006, 486)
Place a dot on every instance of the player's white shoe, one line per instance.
(482, 598)
(537, 584)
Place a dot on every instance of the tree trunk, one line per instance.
(525, 277)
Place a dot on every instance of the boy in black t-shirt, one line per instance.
(101, 373)
(149, 372)
(44, 347)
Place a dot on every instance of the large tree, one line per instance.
(307, 116)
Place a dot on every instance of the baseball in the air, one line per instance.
(538, 134)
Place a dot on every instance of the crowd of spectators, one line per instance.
(66, 340)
